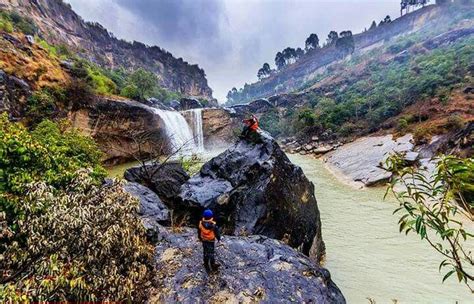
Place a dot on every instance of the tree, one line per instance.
(299, 53)
(345, 43)
(373, 25)
(289, 54)
(312, 42)
(264, 71)
(332, 38)
(144, 81)
(280, 61)
(431, 205)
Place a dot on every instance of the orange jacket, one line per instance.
(252, 123)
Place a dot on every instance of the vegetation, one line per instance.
(10, 21)
(63, 235)
(434, 206)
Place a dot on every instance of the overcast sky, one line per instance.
(231, 39)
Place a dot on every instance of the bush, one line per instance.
(84, 243)
(6, 26)
(402, 125)
(455, 122)
(270, 121)
(421, 135)
(130, 91)
(41, 104)
(64, 236)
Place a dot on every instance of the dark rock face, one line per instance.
(255, 189)
(189, 104)
(166, 179)
(151, 207)
(117, 125)
(253, 269)
(155, 103)
(13, 95)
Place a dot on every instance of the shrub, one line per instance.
(455, 122)
(40, 105)
(130, 91)
(84, 243)
(6, 26)
(101, 83)
(402, 125)
(64, 236)
(145, 81)
(421, 135)
(270, 121)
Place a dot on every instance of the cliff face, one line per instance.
(58, 23)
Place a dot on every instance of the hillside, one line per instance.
(317, 61)
(59, 24)
(418, 82)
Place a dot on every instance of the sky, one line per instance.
(231, 39)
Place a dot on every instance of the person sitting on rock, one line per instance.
(208, 232)
(251, 125)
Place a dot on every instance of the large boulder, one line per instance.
(164, 179)
(218, 127)
(254, 269)
(255, 189)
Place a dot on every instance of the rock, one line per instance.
(116, 125)
(323, 149)
(14, 92)
(255, 189)
(411, 157)
(254, 269)
(308, 147)
(360, 160)
(402, 56)
(30, 39)
(314, 138)
(67, 64)
(175, 105)
(152, 209)
(155, 103)
(468, 90)
(218, 127)
(164, 179)
(189, 103)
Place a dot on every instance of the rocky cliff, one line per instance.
(59, 24)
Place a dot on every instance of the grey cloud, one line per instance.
(231, 39)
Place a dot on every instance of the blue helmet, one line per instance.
(207, 214)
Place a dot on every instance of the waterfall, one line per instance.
(177, 130)
(198, 133)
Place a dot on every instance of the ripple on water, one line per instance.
(366, 255)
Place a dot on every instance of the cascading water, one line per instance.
(198, 133)
(178, 131)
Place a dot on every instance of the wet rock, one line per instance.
(360, 160)
(189, 103)
(411, 157)
(155, 103)
(14, 93)
(117, 125)
(164, 179)
(323, 149)
(151, 207)
(175, 105)
(253, 269)
(255, 189)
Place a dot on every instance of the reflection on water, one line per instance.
(366, 255)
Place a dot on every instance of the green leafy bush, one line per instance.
(83, 243)
(270, 121)
(64, 235)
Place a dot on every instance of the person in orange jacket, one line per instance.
(251, 125)
(208, 232)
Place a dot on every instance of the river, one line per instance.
(366, 255)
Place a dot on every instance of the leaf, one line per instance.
(446, 276)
